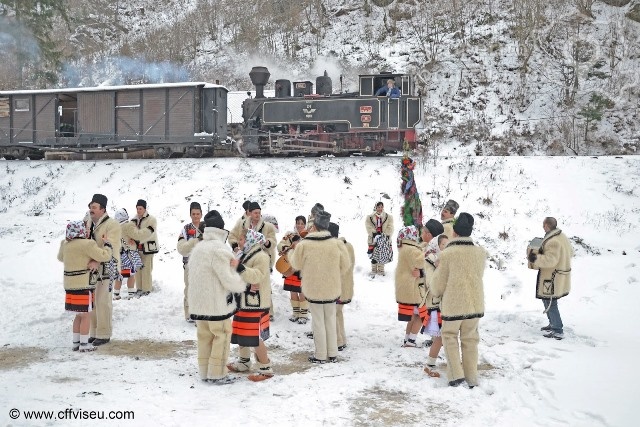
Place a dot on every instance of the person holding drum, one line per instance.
(292, 280)
(552, 259)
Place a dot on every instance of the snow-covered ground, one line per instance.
(150, 365)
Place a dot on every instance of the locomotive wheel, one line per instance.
(163, 152)
(194, 152)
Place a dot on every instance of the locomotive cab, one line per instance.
(370, 83)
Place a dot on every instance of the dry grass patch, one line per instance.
(292, 363)
(148, 349)
(19, 357)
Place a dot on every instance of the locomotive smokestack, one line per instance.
(259, 78)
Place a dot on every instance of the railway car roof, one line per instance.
(110, 88)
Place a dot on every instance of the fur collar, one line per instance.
(460, 241)
(213, 233)
(319, 235)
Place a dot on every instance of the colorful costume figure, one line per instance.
(412, 209)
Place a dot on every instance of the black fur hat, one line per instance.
(316, 208)
(452, 206)
(253, 206)
(100, 199)
(322, 220)
(463, 225)
(142, 203)
(334, 229)
(434, 227)
(214, 219)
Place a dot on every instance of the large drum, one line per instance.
(534, 246)
(283, 266)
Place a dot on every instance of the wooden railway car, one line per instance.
(173, 118)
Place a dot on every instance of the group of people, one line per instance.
(228, 287)
(98, 253)
(227, 276)
(439, 284)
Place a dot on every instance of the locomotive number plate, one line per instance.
(365, 118)
(366, 109)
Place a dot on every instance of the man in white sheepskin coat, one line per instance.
(213, 288)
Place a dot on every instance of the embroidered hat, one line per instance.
(463, 225)
(121, 215)
(409, 232)
(76, 230)
(406, 161)
(253, 238)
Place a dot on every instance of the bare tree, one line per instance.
(528, 16)
(427, 29)
(585, 7)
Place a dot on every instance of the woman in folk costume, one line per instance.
(346, 293)
(293, 283)
(251, 322)
(379, 223)
(410, 290)
(433, 320)
(189, 236)
(129, 256)
(79, 282)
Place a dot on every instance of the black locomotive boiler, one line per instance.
(298, 121)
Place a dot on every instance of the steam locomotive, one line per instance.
(190, 119)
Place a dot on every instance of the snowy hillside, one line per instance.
(501, 77)
(150, 365)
